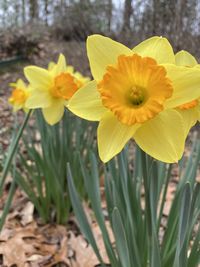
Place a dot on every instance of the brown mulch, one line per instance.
(24, 241)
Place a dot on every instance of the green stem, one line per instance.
(12, 151)
(9, 199)
(168, 175)
(145, 171)
(8, 203)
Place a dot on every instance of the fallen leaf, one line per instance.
(27, 213)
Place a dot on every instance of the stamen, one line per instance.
(136, 97)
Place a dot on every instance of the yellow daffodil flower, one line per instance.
(191, 110)
(79, 78)
(134, 95)
(19, 95)
(52, 88)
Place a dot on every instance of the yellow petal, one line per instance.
(70, 69)
(103, 51)
(17, 107)
(158, 48)
(112, 136)
(20, 84)
(13, 85)
(39, 78)
(51, 65)
(26, 110)
(60, 66)
(183, 58)
(163, 136)
(38, 99)
(190, 117)
(186, 84)
(86, 103)
(198, 110)
(54, 113)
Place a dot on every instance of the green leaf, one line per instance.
(7, 204)
(93, 189)
(121, 240)
(12, 150)
(194, 258)
(183, 223)
(81, 216)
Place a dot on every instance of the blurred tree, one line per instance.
(109, 14)
(23, 12)
(164, 17)
(16, 6)
(46, 2)
(179, 20)
(33, 10)
(4, 8)
(127, 15)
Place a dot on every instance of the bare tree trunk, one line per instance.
(127, 15)
(178, 21)
(23, 12)
(109, 14)
(5, 10)
(156, 11)
(17, 13)
(46, 11)
(33, 9)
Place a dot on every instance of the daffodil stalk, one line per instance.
(9, 199)
(11, 159)
(12, 150)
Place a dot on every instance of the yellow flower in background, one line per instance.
(19, 95)
(191, 110)
(80, 80)
(134, 95)
(52, 88)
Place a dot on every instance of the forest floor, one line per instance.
(24, 240)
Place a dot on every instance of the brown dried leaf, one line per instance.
(27, 213)
(34, 246)
(84, 255)
(14, 249)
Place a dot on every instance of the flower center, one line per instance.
(64, 86)
(18, 96)
(135, 89)
(136, 96)
(189, 105)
